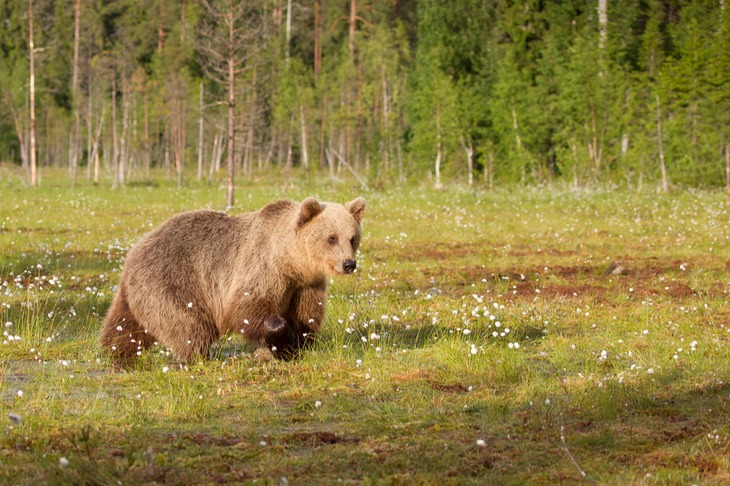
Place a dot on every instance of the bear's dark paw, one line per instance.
(280, 338)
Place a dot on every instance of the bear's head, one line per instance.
(329, 233)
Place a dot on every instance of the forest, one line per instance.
(473, 92)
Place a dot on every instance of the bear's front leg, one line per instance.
(305, 315)
(280, 337)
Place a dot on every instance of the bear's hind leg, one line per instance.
(195, 348)
(122, 335)
(188, 330)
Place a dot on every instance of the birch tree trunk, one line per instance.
(94, 150)
(727, 171)
(251, 125)
(76, 133)
(20, 131)
(89, 133)
(323, 130)
(231, 111)
(351, 34)
(305, 152)
(437, 184)
(147, 148)
(32, 142)
(469, 150)
(115, 145)
(665, 184)
(123, 140)
(200, 133)
(602, 24)
(386, 121)
(518, 141)
(317, 42)
(288, 30)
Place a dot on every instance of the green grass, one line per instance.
(414, 364)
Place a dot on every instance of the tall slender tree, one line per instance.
(231, 35)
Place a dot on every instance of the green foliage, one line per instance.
(530, 87)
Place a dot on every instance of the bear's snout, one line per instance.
(349, 266)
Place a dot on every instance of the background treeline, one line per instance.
(386, 91)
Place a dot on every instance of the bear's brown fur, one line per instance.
(203, 274)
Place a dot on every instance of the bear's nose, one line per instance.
(349, 266)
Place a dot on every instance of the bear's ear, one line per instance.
(356, 207)
(310, 208)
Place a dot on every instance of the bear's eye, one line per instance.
(332, 240)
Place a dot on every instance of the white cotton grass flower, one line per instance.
(63, 462)
(481, 443)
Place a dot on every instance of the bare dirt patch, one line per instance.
(316, 439)
(223, 440)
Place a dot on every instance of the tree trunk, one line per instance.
(251, 130)
(353, 24)
(89, 131)
(317, 41)
(727, 171)
(32, 143)
(516, 127)
(386, 121)
(323, 130)
(123, 150)
(490, 170)
(305, 152)
(200, 134)
(231, 111)
(20, 131)
(214, 158)
(469, 150)
(182, 132)
(288, 163)
(76, 133)
(401, 174)
(575, 166)
(177, 129)
(602, 23)
(437, 184)
(94, 150)
(665, 184)
(115, 148)
(252, 122)
(288, 30)
(147, 152)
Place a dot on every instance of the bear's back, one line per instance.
(186, 242)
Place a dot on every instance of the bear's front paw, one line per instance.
(280, 338)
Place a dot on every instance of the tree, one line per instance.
(31, 94)
(230, 36)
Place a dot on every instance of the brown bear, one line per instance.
(203, 274)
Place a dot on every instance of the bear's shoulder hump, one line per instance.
(277, 208)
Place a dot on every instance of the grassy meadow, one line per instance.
(523, 335)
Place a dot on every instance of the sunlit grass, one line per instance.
(473, 316)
